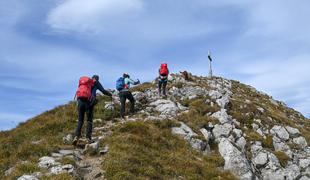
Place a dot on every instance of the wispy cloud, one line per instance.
(91, 16)
(45, 46)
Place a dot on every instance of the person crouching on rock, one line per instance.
(123, 85)
(163, 79)
(86, 97)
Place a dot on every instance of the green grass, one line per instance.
(49, 127)
(24, 168)
(68, 160)
(148, 150)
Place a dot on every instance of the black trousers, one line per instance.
(85, 107)
(162, 84)
(124, 95)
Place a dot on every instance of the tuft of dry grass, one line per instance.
(282, 157)
(268, 142)
(142, 87)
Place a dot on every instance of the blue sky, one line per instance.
(45, 46)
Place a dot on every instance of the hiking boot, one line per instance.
(75, 140)
(90, 141)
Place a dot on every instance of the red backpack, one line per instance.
(163, 69)
(84, 89)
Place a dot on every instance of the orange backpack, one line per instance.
(84, 89)
(163, 69)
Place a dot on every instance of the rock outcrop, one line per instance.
(251, 140)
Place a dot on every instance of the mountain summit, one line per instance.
(207, 128)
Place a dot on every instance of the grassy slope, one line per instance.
(147, 150)
(49, 128)
(141, 149)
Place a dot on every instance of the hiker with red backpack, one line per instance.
(163, 79)
(123, 85)
(86, 98)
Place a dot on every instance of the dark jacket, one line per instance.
(97, 86)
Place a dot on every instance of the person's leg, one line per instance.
(159, 86)
(81, 112)
(123, 103)
(89, 129)
(164, 88)
(132, 102)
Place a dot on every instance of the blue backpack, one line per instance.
(120, 83)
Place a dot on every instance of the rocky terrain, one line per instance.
(231, 128)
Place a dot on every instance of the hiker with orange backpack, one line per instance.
(86, 98)
(163, 79)
(123, 85)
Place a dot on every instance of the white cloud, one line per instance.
(91, 16)
(287, 79)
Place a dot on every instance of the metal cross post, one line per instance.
(210, 64)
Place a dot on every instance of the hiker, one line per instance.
(163, 79)
(86, 97)
(123, 85)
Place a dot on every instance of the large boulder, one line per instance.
(235, 161)
(165, 107)
(222, 116)
(189, 135)
(294, 132)
(281, 146)
(221, 130)
(184, 131)
(280, 132)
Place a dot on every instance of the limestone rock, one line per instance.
(206, 134)
(92, 148)
(183, 130)
(235, 161)
(261, 159)
(281, 146)
(109, 106)
(9, 171)
(241, 142)
(165, 107)
(301, 141)
(46, 162)
(280, 132)
(66, 152)
(304, 163)
(67, 139)
(222, 116)
(294, 132)
(27, 177)
(222, 130)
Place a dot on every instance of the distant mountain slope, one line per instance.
(206, 129)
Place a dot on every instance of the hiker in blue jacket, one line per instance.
(125, 94)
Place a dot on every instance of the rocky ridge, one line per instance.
(242, 146)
